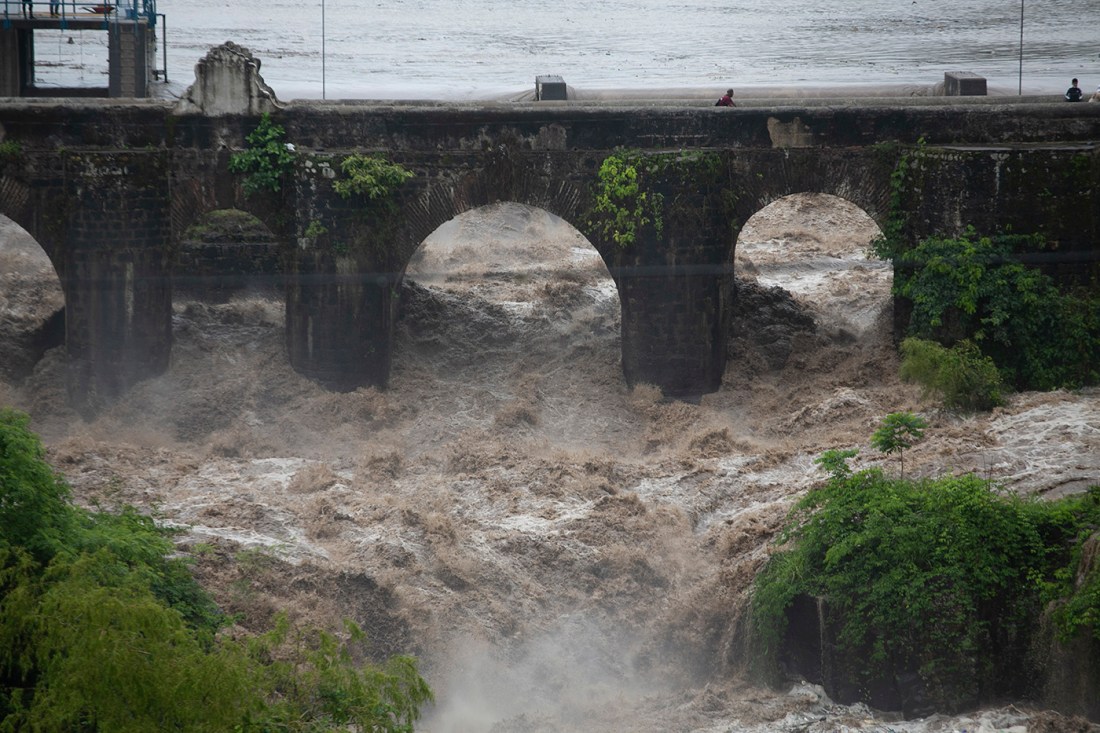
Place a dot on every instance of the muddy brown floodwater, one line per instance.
(561, 552)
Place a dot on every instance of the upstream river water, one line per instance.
(474, 49)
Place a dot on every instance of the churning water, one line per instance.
(474, 49)
(563, 553)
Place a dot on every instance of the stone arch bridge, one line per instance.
(108, 187)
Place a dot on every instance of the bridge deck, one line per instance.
(81, 21)
(59, 14)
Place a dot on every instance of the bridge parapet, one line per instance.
(472, 128)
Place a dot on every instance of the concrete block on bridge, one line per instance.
(963, 84)
(550, 87)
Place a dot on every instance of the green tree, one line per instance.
(103, 629)
(945, 578)
(105, 654)
(898, 432)
(835, 462)
(34, 500)
(975, 288)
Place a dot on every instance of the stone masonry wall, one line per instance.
(115, 271)
(108, 189)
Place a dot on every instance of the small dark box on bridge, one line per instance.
(549, 87)
(963, 84)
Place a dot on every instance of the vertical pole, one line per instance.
(164, 43)
(1020, 90)
(323, 48)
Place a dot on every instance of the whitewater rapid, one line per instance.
(563, 553)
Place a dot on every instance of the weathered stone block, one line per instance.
(227, 82)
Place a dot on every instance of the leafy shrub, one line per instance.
(34, 501)
(960, 376)
(102, 629)
(1076, 588)
(974, 288)
(315, 229)
(945, 578)
(318, 686)
(370, 176)
(1081, 610)
(623, 207)
(268, 157)
(835, 462)
(103, 653)
(10, 149)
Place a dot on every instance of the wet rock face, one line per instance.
(766, 323)
(1073, 674)
(24, 344)
(810, 651)
(1068, 679)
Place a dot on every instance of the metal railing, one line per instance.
(110, 10)
(162, 73)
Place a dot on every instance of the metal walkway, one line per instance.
(50, 14)
(132, 39)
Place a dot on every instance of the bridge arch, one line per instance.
(98, 219)
(344, 287)
(533, 241)
(511, 296)
(815, 247)
(521, 182)
(197, 192)
(32, 300)
(225, 253)
(764, 177)
(106, 190)
(17, 204)
(808, 299)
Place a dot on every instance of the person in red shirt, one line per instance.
(726, 100)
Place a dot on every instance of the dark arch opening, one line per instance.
(227, 280)
(227, 253)
(228, 324)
